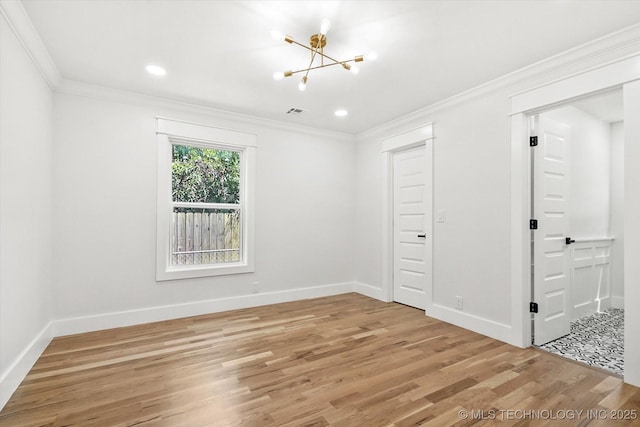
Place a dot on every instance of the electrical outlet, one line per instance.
(458, 303)
(255, 287)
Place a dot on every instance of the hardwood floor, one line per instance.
(346, 360)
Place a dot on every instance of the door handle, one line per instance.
(569, 240)
(424, 236)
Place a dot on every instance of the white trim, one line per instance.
(409, 139)
(610, 47)
(483, 326)
(76, 325)
(18, 370)
(246, 143)
(369, 291)
(593, 239)
(72, 87)
(21, 25)
(631, 98)
(205, 132)
(520, 233)
(624, 72)
(191, 205)
(601, 78)
(403, 141)
(16, 373)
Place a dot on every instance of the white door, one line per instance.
(551, 280)
(411, 244)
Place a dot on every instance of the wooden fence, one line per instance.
(205, 237)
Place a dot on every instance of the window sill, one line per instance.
(192, 272)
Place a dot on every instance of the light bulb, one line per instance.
(341, 113)
(278, 75)
(303, 84)
(324, 26)
(354, 69)
(371, 56)
(277, 35)
(156, 70)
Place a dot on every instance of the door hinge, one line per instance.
(533, 224)
(533, 307)
(533, 141)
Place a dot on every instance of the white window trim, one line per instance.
(171, 131)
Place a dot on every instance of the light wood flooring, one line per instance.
(345, 360)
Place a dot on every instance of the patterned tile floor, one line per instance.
(597, 340)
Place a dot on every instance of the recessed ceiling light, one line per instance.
(156, 70)
(341, 113)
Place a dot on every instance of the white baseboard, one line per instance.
(477, 324)
(617, 302)
(119, 319)
(13, 376)
(496, 330)
(369, 291)
(499, 331)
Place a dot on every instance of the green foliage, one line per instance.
(205, 175)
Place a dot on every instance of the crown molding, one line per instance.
(602, 51)
(16, 17)
(73, 87)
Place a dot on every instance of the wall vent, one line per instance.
(294, 111)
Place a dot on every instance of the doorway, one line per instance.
(409, 235)
(408, 217)
(577, 248)
(619, 73)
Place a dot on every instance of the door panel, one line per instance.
(590, 277)
(410, 202)
(551, 254)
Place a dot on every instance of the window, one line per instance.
(205, 201)
(205, 192)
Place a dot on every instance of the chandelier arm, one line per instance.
(319, 66)
(314, 52)
(302, 45)
(335, 60)
(320, 53)
(317, 44)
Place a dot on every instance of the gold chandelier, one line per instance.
(317, 42)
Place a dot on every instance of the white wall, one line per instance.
(616, 225)
(471, 185)
(104, 217)
(318, 223)
(589, 176)
(473, 257)
(25, 212)
(369, 184)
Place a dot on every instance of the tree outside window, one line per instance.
(205, 190)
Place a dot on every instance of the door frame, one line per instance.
(391, 145)
(623, 73)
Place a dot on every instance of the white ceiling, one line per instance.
(221, 54)
(607, 106)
